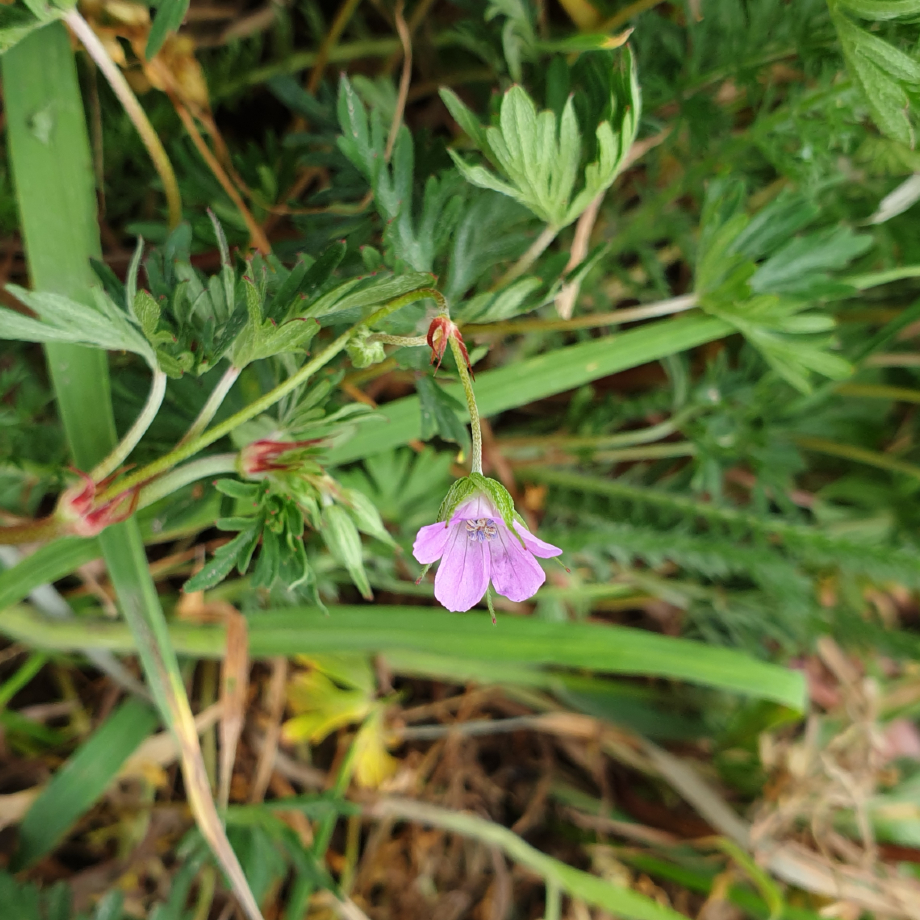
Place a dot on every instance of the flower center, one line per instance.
(481, 529)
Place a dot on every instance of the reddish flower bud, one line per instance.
(77, 506)
(440, 332)
(269, 456)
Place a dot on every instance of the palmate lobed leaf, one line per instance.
(882, 72)
(62, 319)
(539, 156)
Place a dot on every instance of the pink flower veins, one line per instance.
(476, 546)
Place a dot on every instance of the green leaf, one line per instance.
(377, 629)
(802, 265)
(898, 65)
(82, 780)
(879, 10)
(466, 119)
(237, 553)
(62, 319)
(168, 18)
(531, 379)
(539, 156)
(362, 141)
(348, 301)
(366, 517)
(877, 68)
(16, 22)
(341, 536)
(440, 412)
(244, 491)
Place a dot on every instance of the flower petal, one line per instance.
(430, 543)
(463, 575)
(537, 546)
(478, 506)
(515, 572)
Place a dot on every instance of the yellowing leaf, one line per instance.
(582, 13)
(323, 706)
(373, 764)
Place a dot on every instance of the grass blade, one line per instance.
(83, 779)
(536, 378)
(516, 641)
(49, 151)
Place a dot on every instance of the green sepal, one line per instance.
(500, 497)
(461, 490)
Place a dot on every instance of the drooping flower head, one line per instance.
(479, 540)
(84, 515)
(440, 332)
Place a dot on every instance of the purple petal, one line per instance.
(479, 506)
(430, 543)
(463, 575)
(537, 546)
(515, 572)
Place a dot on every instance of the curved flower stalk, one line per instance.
(478, 536)
(479, 540)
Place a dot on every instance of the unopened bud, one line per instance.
(77, 507)
(440, 332)
(267, 456)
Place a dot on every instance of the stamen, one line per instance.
(482, 529)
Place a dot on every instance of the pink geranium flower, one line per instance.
(476, 546)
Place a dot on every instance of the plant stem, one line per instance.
(137, 430)
(592, 320)
(168, 461)
(589, 888)
(548, 234)
(214, 465)
(54, 185)
(209, 409)
(857, 455)
(553, 909)
(599, 442)
(475, 426)
(406, 341)
(96, 50)
(32, 531)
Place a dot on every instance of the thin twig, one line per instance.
(96, 50)
(616, 317)
(275, 700)
(257, 238)
(547, 235)
(342, 18)
(568, 293)
(404, 80)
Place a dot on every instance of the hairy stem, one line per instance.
(406, 341)
(32, 531)
(168, 461)
(209, 410)
(137, 430)
(96, 50)
(475, 426)
(215, 465)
